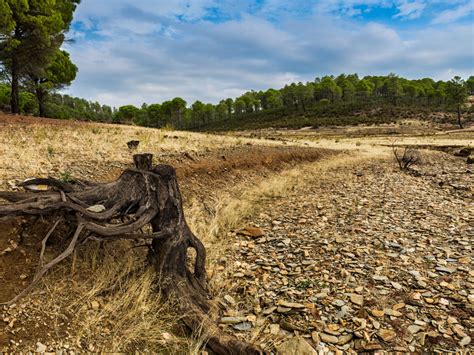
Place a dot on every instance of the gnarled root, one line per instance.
(143, 196)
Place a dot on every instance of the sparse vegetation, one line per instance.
(408, 159)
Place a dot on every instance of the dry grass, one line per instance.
(39, 150)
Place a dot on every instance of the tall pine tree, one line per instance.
(31, 32)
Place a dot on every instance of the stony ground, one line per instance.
(363, 258)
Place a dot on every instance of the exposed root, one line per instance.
(121, 209)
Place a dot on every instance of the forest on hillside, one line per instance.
(329, 96)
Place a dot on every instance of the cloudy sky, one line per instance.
(130, 52)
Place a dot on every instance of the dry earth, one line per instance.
(343, 252)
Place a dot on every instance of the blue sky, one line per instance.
(130, 52)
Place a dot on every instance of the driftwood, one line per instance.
(144, 196)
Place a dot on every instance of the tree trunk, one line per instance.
(41, 98)
(141, 196)
(15, 73)
(15, 97)
(459, 117)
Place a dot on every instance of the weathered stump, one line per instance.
(142, 196)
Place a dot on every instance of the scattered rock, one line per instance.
(357, 299)
(377, 313)
(290, 304)
(445, 269)
(344, 339)
(244, 326)
(274, 329)
(413, 329)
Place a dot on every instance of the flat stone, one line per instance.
(281, 309)
(377, 313)
(229, 299)
(327, 338)
(296, 345)
(290, 304)
(415, 274)
(413, 329)
(290, 327)
(465, 341)
(387, 335)
(250, 231)
(397, 286)
(269, 310)
(244, 326)
(445, 269)
(392, 312)
(357, 299)
(315, 336)
(344, 339)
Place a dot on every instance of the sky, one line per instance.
(149, 51)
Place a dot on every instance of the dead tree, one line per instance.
(143, 196)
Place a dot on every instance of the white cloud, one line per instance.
(452, 15)
(149, 56)
(410, 9)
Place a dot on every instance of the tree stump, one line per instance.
(146, 195)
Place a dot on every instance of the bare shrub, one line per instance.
(410, 157)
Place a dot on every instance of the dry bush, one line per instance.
(409, 158)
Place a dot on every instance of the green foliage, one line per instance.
(126, 113)
(31, 32)
(60, 73)
(456, 91)
(4, 96)
(28, 103)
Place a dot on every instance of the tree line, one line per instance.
(327, 94)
